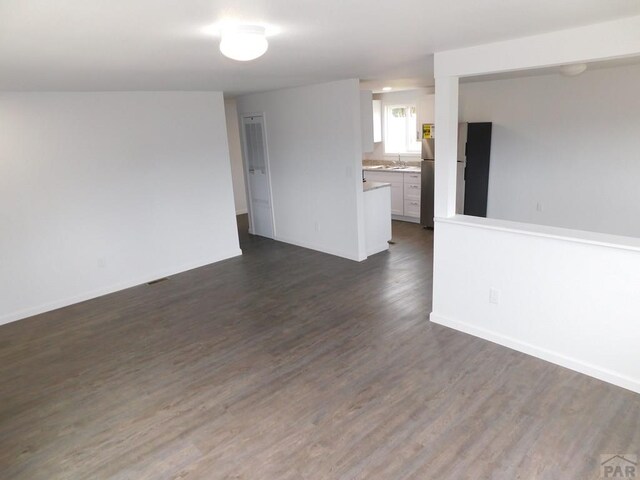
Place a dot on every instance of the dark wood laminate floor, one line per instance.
(291, 364)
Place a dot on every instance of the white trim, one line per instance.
(242, 211)
(591, 370)
(446, 146)
(574, 45)
(402, 218)
(47, 307)
(557, 233)
(243, 144)
(386, 107)
(375, 249)
(322, 249)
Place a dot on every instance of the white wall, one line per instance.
(567, 296)
(568, 144)
(576, 304)
(366, 120)
(102, 191)
(315, 155)
(235, 153)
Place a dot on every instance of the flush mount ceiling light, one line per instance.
(244, 42)
(573, 69)
(386, 89)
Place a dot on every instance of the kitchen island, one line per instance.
(377, 216)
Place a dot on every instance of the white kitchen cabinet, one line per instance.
(377, 219)
(412, 178)
(377, 121)
(412, 192)
(397, 188)
(405, 192)
(412, 208)
(397, 199)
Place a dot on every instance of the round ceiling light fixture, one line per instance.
(244, 42)
(386, 89)
(573, 70)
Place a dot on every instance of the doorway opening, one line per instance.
(256, 162)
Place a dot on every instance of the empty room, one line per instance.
(319, 240)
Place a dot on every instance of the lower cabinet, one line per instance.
(397, 198)
(397, 188)
(412, 191)
(412, 208)
(405, 192)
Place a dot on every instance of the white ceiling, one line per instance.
(163, 44)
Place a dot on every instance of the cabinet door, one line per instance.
(397, 198)
(377, 121)
(396, 180)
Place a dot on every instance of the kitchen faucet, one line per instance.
(399, 163)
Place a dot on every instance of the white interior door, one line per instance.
(258, 180)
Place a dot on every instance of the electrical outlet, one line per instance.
(102, 263)
(494, 296)
(539, 207)
(317, 226)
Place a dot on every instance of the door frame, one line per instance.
(245, 165)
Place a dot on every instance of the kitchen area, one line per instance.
(398, 138)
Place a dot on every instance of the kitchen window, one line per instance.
(400, 130)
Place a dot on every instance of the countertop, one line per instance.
(385, 168)
(368, 186)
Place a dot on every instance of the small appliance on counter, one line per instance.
(472, 182)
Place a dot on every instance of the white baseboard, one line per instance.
(81, 297)
(378, 248)
(402, 218)
(580, 366)
(320, 248)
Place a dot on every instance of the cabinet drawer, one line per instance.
(412, 191)
(412, 178)
(412, 208)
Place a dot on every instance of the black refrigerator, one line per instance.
(474, 155)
